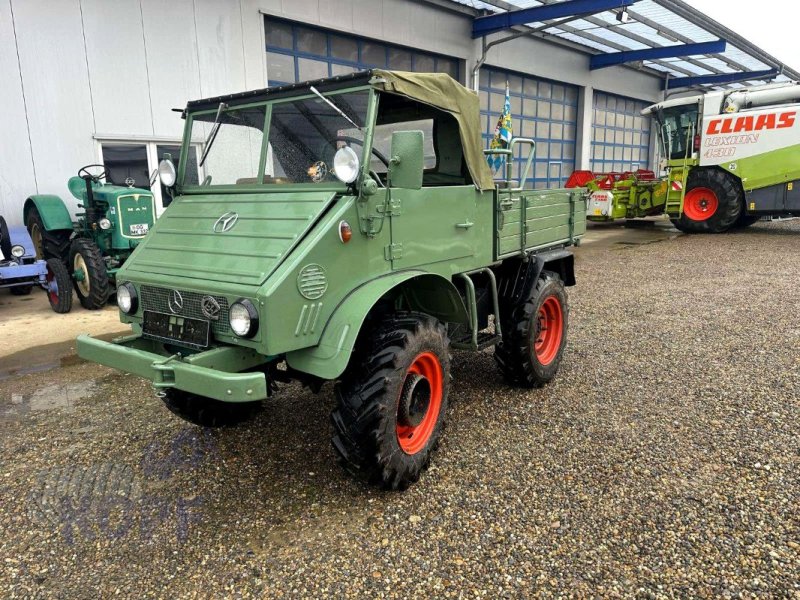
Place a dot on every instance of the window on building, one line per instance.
(300, 53)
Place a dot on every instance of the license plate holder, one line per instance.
(175, 328)
(139, 228)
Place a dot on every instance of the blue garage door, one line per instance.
(546, 111)
(620, 134)
(299, 53)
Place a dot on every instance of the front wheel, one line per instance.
(207, 412)
(59, 286)
(535, 334)
(392, 401)
(89, 273)
(712, 203)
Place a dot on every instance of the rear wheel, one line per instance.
(712, 203)
(392, 401)
(535, 334)
(59, 286)
(48, 244)
(207, 412)
(89, 273)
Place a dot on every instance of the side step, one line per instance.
(485, 339)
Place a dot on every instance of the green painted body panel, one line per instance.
(52, 209)
(312, 290)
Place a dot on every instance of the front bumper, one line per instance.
(214, 373)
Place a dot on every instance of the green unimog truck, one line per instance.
(349, 230)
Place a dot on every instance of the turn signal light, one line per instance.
(345, 231)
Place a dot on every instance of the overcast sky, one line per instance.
(769, 24)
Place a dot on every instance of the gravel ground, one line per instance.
(663, 462)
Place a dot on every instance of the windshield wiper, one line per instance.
(330, 103)
(213, 133)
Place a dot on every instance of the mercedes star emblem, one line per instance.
(175, 301)
(210, 307)
(225, 222)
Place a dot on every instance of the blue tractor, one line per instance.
(20, 271)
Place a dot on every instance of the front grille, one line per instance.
(157, 300)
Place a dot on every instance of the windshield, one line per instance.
(233, 153)
(678, 126)
(303, 137)
(305, 134)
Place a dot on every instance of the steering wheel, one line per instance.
(351, 140)
(84, 173)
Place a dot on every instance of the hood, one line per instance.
(228, 238)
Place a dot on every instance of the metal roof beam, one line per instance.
(600, 61)
(682, 82)
(497, 22)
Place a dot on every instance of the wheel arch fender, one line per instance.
(423, 292)
(52, 210)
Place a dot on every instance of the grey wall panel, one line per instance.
(117, 66)
(172, 66)
(56, 84)
(255, 63)
(220, 47)
(16, 162)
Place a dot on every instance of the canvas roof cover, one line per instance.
(445, 93)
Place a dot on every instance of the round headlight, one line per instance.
(167, 173)
(17, 251)
(104, 224)
(345, 164)
(243, 318)
(127, 300)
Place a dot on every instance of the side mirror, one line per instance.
(407, 162)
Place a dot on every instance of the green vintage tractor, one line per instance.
(94, 247)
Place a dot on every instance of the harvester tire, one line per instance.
(534, 334)
(94, 288)
(207, 412)
(391, 402)
(713, 202)
(59, 286)
(48, 244)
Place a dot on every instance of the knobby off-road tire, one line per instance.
(5, 240)
(59, 286)
(93, 290)
(713, 202)
(392, 401)
(207, 412)
(48, 244)
(534, 334)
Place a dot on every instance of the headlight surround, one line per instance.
(17, 251)
(127, 298)
(167, 172)
(346, 164)
(104, 223)
(243, 318)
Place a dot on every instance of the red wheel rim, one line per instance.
(550, 330)
(52, 286)
(426, 373)
(700, 204)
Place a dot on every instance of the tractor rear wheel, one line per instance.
(48, 244)
(207, 412)
(713, 202)
(89, 273)
(59, 286)
(392, 400)
(535, 334)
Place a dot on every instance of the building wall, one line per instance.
(76, 71)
